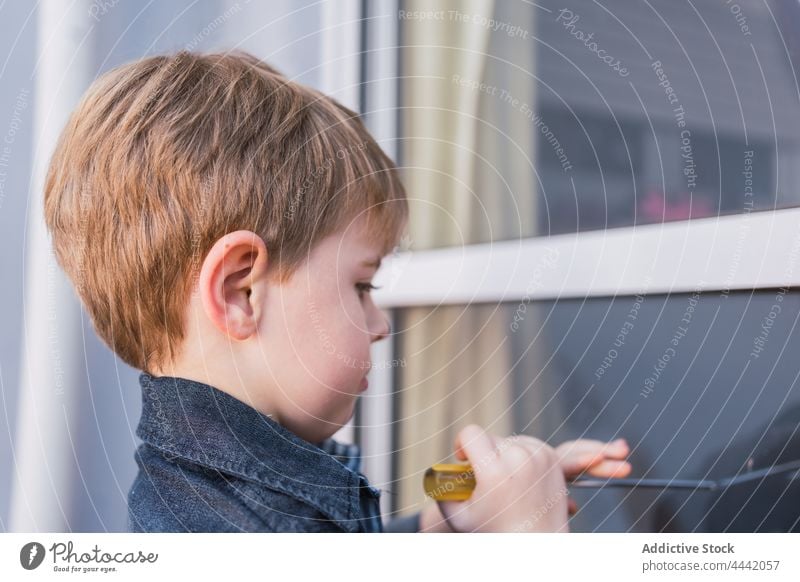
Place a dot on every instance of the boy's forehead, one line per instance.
(348, 249)
(357, 244)
(362, 253)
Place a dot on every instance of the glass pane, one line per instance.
(702, 387)
(534, 119)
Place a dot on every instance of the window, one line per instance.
(535, 228)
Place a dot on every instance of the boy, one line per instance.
(222, 225)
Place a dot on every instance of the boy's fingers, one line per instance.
(605, 461)
(575, 464)
(583, 448)
(532, 443)
(611, 469)
(574, 449)
(617, 449)
(461, 456)
(475, 445)
(572, 506)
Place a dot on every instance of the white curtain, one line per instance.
(468, 163)
(50, 386)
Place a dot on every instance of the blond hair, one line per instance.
(165, 155)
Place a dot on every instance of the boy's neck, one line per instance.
(221, 381)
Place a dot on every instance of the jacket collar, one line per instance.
(195, 421)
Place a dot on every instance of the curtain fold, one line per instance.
(468, 163)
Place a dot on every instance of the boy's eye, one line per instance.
(365, 288)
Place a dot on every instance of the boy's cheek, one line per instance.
(319, 337)
(326, 398)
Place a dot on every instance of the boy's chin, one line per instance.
(316, 429)
(339, 423)
(327, 430)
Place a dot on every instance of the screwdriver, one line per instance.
(456, 481)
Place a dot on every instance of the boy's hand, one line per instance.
(519, 485)
(595, 458)
(431, 520)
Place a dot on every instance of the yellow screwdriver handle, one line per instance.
(449, 481)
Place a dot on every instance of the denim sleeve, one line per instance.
(407, 524)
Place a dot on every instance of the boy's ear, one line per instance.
(233, 281)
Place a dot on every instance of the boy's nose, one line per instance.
(385, 329)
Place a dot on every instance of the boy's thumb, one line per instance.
(473, 444)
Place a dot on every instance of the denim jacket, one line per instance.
(211, 463)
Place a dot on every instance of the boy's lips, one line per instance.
(364, 383)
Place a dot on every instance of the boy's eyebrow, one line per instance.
(373, 263)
